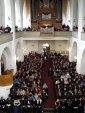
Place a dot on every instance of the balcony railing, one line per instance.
(29, 34)
(83, 36)
(75, 34)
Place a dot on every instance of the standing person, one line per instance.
(50, 72)
(9, 105)
(16, 106)
(3, 104)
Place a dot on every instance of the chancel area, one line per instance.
(42, 56)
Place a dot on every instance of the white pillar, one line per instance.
(79, 57)
(13, 30)
(80, 26)
(0, 66)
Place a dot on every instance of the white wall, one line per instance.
(5, 91)
(61, 45)
(58, 45)
(30, 45)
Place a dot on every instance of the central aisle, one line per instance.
(50, 102)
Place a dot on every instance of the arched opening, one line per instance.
(74, 52)
(83, 63)
(3, 63)
(18, 52)
(45, 49)
(6, 62)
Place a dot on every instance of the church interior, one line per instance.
(42, 56)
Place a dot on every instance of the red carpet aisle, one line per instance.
(49, 103)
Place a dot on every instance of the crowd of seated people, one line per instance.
(28, 91)
(6, 29)
(69, 85)
(64, 28)
(31, 29)
(75, 28)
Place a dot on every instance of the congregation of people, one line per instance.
(28, 90)
(7, 29)
(63, 28)
(69, 86)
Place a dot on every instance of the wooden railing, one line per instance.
(6, 79)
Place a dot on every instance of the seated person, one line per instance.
(45, 86)
(7, 29)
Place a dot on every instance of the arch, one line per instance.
(6, 58)
(3, 63)
(83, 63)
(74, 52)
(18, 51)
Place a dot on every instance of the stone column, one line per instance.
(13, 30)
(80, 28)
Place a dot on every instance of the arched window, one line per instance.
(7, 12)
(17, 13)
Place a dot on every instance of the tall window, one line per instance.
(34, 10)
(17, 12)
(7, 12)
(68, 13)
(58, 10)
